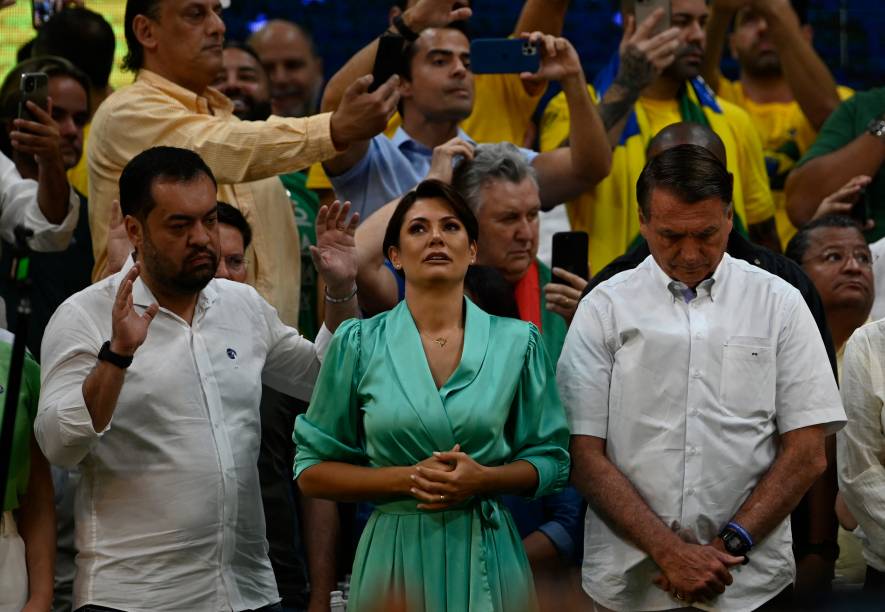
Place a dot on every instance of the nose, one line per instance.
(523, 230)
(67, 128)
(852, 265)
(216, 25)
(221, 271)
(696, 33)
(458, 68)
(200, 235)
(690, 253)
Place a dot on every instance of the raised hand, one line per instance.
(842, 200)
(440, 489)
(564, 299)
(39, 139)
(128, 328)
(442, 163)
(559, 60)
(645, 55)
(434, 14)
(335, 252)
(362, 115)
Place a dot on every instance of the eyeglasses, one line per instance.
(234, 263)
(837, 257)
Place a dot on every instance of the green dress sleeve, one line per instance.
(539, 431)
(331, 429)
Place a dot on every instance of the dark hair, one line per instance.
(800, 243)
(245, 47)
(25, 51)
(155, 164)
(410, 48)
(489, 290)
(426, 190)
(690, 172)
(134, 59)
(10, 89)
(229, 215)
(82, 37)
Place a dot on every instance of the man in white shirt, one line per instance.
(168, 512)
(699, 393)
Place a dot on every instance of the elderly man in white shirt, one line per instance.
(699, 394)
(168, 511)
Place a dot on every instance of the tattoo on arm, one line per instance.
(635, 73)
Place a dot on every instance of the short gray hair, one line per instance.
(491, 162)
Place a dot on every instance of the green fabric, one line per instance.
(844, 125)
(375, 404)
(553, 326)
(690, 110)
(28, 396)
(306, 206)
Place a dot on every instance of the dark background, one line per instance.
(849, 34)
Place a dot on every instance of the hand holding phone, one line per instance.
(33, 87)
(388, 60)
(645, 8)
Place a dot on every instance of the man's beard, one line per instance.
(681, 71)
(171, 276)
(298, 102)
(762, 65)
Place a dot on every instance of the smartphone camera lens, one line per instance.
(528, 48)
(29, 84)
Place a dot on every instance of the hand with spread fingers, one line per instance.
(128, 328)
(434, 14)
(439, 489)
(335, 254)
(564, 299)
(843, 199)
(645, 55)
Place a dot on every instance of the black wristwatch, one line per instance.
(736, 540)
(405, 31)
(106, 354)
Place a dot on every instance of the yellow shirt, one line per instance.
(610, 213)
(786, 135)
(502, 112)
(245, 157)
(78, 176)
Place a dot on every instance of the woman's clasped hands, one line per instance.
(447, 479)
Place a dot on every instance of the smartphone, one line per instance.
(503, 56)
(860, 211)
(570, 252)
(644, 8)
(34, 87)
(388, 60)
(41, 11)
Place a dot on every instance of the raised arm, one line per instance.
(547, 16)
(722, 12)
(565, 173)
(810, 80)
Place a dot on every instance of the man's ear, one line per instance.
(134, 231)
(143, 28)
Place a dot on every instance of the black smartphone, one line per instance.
(33, 87)
(570, 252)
(41, 11)
(860, 211)
(388, 60)
(644, 9)
(503, 56)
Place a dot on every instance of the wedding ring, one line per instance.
(678, 596)
(442, 498)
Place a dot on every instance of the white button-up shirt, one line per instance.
(18, 206)
(690, 394)
(861, 445)
(168, 512)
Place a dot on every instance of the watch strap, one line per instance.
(405, 31)
(106, 354)
(876, 127)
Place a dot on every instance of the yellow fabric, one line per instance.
(786, 135)
(78, 176)
(609, 213)
(502, 112)
(245, 157)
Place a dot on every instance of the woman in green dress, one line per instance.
(431, 411)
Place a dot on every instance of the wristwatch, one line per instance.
(405, 31)
(876, 127)
(106, 354)
(736, 540)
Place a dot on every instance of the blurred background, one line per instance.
(849, 34)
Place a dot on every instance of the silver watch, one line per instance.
(876, 127)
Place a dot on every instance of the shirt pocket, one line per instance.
(747, 384)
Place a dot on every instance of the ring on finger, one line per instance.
(678, 596)
(442, 498)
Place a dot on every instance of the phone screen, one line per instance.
(644, 9)
(570, 252)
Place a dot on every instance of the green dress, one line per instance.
(375, 404)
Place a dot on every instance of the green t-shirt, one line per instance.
(306, 205)
(28, 396)
(846, 123)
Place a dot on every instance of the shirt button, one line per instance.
(689, 492)
(699, 335)
(696, 373)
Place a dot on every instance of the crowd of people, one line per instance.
(296, 344)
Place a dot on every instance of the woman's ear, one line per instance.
(393, 256)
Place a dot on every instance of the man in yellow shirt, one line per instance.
(652, 84)
(784, 85)
(175, 46)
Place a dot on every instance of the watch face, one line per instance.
(733, 543)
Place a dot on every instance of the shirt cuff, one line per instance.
(323, 339)
(319, 131)
(49, 236)
(560, 538)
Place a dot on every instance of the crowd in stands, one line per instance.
(295, 344)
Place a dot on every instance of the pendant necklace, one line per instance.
(441, 341)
